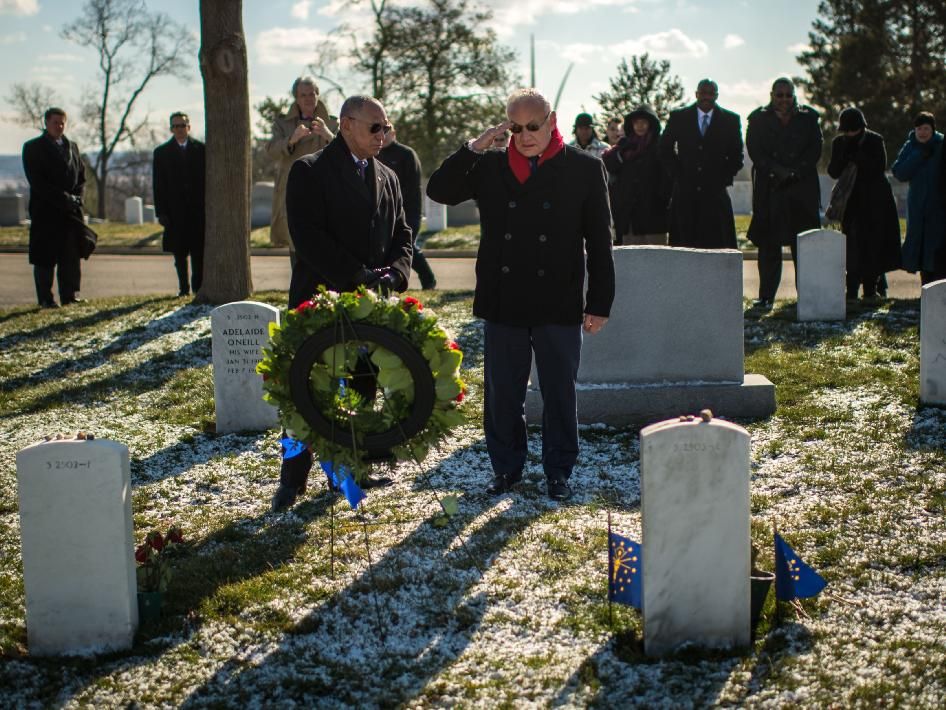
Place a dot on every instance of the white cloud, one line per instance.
(60, 58)
(288, 45)
(19, 7)
(733, 41)
(300, 10)
(667, 45)
(798, 48)
(14, 38)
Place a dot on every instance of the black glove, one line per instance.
(783, 176)
(389, 280)
(366, 277)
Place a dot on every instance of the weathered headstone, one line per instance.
(696, 549)
(820, 275)
(436, 215)
(12, 209)
(463, 214)
(240, 331)
(261, 204)
(148, 214)
(740, 193)
(933, 343)
(134, 210)
(78, 547)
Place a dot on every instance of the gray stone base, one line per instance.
(637, 405)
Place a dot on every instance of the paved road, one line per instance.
(120, 275)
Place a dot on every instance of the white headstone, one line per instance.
(134, 210)
(696, 549)
(12, 209)
(261, 204)
(240, 331)
(78, 546)
(740, 193)
(820, 275)
(436, 215)
(933, 343)
(148, 214)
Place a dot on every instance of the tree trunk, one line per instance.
(227, 129)
(101, 178)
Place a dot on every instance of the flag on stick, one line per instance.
(624, 570)
(793, 578)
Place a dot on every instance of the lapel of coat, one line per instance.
(377, 181)
(349, 171)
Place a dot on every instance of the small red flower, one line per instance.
(305, 306)
(175, 534)
(265, 377)
(454, 345)
(460, 396)
(155, 540)
(141, 554)
(410, 301)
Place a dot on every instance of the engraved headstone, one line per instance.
(78, 547)
(696, 550)
(436, 215)
(148, 214)
(933, 343)
(134, 210)
(240, 331)
(12, 209)
(820, 275)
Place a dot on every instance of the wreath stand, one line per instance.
(376, 446)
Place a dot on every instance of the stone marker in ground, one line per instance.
(134, 210)
(933, 343)
(261, 204)
(148, 214)
(12, 209)
(695, 548)
(435, 214)
(820, 275)
(240, 331)
(673, 343)
(740, 194)
(78, 547)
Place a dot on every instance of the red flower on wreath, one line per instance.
(142, 554)
(410, 301)
(454, 345)
(459, 397)
(305, 306)
(155, 540)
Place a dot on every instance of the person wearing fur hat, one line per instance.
(870, 220)
(585, 137)
(640, 192)
(920, 163)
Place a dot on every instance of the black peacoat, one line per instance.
(406, 165)
(786, 193)
(530, 267)
(340, 226)
(179, 187)
(870, 220)
(57, 181)
(702, 167)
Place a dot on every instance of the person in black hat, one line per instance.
(870, 220)
(585, 137)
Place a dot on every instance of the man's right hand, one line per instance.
(485, 141)
(301, 132)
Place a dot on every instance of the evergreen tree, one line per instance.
(645, 81)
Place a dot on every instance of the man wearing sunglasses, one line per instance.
(346, 220)
(544, 213)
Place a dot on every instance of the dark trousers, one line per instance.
(422, 267)
(196, 254)
(770, 269)
(507, 362)
(69, 274)
(869, 281)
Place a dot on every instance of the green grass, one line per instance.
(121, 235)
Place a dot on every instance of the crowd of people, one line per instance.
(347, 201)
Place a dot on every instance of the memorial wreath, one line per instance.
(360, 378)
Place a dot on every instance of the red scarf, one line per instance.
(519, 164)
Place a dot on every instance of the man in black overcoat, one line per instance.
(701, 148)
(784, 141)
(179, 171)
(56, 174)
(545, 215)
(403, 160)
(346, 220)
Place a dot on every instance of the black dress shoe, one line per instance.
(70, 301)
(284, 498)
(559, 489)
(763, 304)
(375, 482)
(503, 484)
(49, 304)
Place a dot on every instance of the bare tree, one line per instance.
(223, 66)
(134, 46)
(29, 102)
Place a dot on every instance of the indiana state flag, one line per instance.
(793, 578)
(343, 480)
(624, 571)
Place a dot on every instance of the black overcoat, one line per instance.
(55, 181)
(179, 187)
(530, 266)
(406, 165)
(702, 167)
(786, 193)
(339, 226)
(870, 220)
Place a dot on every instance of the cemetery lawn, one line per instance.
(506, 606)
(120, 235)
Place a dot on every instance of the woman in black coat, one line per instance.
(870, 219)
(640, 190)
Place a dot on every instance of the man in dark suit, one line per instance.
(346, 220)
(56, 174)
(545, 215)
(179, 175)
(701, 148)
(406, 165)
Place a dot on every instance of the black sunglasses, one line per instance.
(374, 127)
(531, 127)
(179, 125)
(783, 95)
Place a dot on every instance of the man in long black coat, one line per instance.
(56, 174)
(179, 172)
(701, 148)
(346, 220)
(545, 215)
(784, 141)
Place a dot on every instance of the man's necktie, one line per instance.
(533, 164)
(363, 169)
(704, 124)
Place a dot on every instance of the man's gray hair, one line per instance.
(304, 81)
(354, 104)
(531, 96)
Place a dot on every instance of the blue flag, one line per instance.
(625, 571)
(291, 447)
(793, 578)
(344, 481)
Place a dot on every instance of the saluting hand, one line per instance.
(485, 141)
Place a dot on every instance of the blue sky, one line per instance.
(743, 45)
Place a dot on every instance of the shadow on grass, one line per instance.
(928, 430)
(185, 455)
